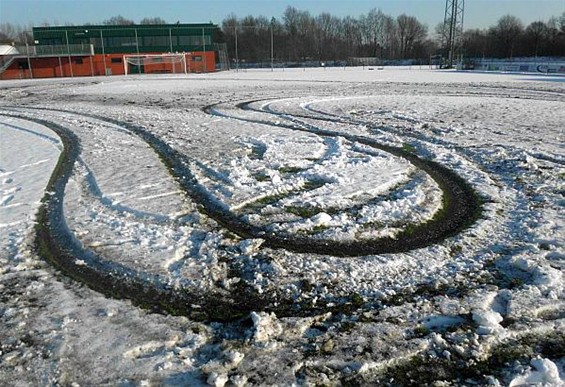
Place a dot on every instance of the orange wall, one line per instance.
(197, 66)
(90, 66)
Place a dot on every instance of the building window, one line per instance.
(78, 60)
(116, 60)
(197, 59)
(195, 40)
(125, 41)
(23, 65)
(52, 42)
(156, 41)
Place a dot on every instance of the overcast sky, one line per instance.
(478, 13)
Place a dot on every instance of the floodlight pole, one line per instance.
(236, 54)
(69, 53)
(453, 28)
(103, 54)
(136, 41)
(205, 69)
(272, 48)
(28, 59)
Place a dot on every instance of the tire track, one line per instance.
(58, 245)
(461, 207)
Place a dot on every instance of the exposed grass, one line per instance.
(408, 148)
(455, 250)
(303, 212)
(357, 300)
(423, 369)
(318, 229)
(313, 184)
(291, 170)
(421, 331)
(261, 177)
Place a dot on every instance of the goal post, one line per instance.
(155, 63)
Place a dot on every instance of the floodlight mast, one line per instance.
(453, 29)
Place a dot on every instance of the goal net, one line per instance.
(155, 64)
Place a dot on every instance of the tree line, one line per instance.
(299, 36)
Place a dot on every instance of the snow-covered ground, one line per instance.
(309, 155)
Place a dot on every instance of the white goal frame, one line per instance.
(154, 59)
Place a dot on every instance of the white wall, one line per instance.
(523, 67)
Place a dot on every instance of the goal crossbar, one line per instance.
(161, 61)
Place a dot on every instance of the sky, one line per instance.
(478, 13)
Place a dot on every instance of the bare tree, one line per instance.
(10, 33)
(440, 32)
(505, 34)
(411, 33)
(299, 36)
(326, 29)
(372, 28)
(351, 37)
(299, 26)
(535, 37)
(152, 20)
(7, 32)
(229, 25)
(476, 43)
(391, 41)
(118, 21)
(556, 38)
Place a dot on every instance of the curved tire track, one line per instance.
(461, 204)
(57, 244)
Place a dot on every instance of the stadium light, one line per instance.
(28, 59)
(69, 53)
(103, 53)
(236, 53)
(272, 45)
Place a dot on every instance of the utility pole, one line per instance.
(69, 53)
(453, 29)
(272, 45)
(205, 69)
(28, 59)
(236, 53)
(103, 53)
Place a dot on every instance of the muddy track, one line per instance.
(461, 204)
(56, 243)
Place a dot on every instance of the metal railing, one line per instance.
(28, 52)
(56, 50)
(6, 61)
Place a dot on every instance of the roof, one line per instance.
(125, 27)
(6, 49)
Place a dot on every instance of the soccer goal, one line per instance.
(155, 64)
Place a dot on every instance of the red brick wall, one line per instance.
(52, 68)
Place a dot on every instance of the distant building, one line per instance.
(114, 50)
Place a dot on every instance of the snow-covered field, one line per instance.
(282, 215)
